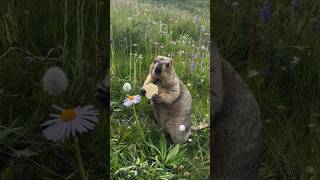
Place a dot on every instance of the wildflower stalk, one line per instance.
(82, 171)
(65, 31)
(137, 120)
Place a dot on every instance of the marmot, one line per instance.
(172, 105)
(235, 124)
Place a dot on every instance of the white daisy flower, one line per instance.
(182, 128)
(70, 121)
(127, 87)
(54, 81)
(130, 100)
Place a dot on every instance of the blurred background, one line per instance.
(274, 45)
(36, 35)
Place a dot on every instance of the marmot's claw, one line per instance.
(142, 92)
(155, 99)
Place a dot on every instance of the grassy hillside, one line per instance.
(193, 6)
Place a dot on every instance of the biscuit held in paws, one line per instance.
(150, 89)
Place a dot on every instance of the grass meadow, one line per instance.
(142, 30)
(275, 47)
(35, 35)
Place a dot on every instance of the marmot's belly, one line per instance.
(173, 114)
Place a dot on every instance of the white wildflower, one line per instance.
(182, 128)
(127, 87)
(54, 81)
(70, 121)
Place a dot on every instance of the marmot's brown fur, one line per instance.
(235, 124)
(172, 104)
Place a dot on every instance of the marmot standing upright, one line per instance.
(235, 124)
(172, 105)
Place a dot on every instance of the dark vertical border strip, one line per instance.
(214, 95)
(106, 35)
(211, 112)
(107, 58)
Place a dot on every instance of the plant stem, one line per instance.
(82, 171)
(137, 120)
(65, 31)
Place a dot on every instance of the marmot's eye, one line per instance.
(167, 65)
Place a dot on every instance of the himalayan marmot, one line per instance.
(172, 105)
(235, 124)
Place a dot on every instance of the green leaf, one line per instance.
(172, 153)
(153, 147)
(163, 146)
(124, 169)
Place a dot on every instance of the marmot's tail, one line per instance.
(201, 126)
(216, 85)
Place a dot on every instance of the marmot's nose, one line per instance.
(158, 69)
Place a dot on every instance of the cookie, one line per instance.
(150, 89)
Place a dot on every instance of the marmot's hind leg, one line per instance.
(177, 135)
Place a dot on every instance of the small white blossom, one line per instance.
(54, 81)
(182, 128)
(180, 52)
(127, 87)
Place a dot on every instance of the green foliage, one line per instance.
(140, 32)
(35, 35)
(279, 61)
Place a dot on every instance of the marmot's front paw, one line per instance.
(142, 92)
(155, 99)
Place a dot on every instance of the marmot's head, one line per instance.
(162, 68)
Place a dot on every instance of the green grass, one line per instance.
(140, 32)
(48, 35)
(288, 92)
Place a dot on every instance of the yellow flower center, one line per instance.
(67, 115)
(130, 97)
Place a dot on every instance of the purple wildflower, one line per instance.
(130, 100)
(265, 11)
(193, 65)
